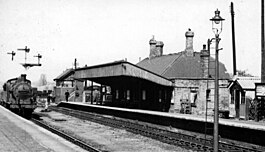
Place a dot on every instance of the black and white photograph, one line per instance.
(132, 76)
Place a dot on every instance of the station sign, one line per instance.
(259, 89)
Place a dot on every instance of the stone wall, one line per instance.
(186, 89)
(60, 92)
(79, 91)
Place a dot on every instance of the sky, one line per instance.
(101, 31)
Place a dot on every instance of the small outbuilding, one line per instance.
(242, 93)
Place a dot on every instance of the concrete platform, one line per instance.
(19, 134)
(245, 131)
(228, 122)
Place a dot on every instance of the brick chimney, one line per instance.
(156, 48)
(205, 56)
(159, 48)
(189, 43)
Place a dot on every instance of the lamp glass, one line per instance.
(217, 23)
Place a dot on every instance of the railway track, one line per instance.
(174, 138)
(65, 135)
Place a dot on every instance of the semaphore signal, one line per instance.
(27, 50)
(13, 54)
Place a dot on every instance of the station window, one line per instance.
(172, 102)
(117, 94)
(128, 94)
(108, 88)
(193, 97)
(232, 97)
(243, 98)
(144, 95)
(160, 96)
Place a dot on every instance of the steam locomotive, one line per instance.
(19, 96)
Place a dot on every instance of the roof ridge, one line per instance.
(248, 78)
(170, 65)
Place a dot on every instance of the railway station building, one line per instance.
(192, 74)
(121, 84)
(181, 82)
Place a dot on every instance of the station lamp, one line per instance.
(217, 25)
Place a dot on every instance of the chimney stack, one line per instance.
(23, 77)
(152, 43)
(189, 43)
(156, 48)
(159, 48)
(205, 55)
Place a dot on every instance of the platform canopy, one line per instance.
(119, 72)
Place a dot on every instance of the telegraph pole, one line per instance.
(75, 64)
(233, 38)
(262, 44)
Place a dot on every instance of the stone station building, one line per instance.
(192, 73)
(184, 77)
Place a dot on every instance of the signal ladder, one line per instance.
(210, 88)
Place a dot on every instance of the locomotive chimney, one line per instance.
(23, 77)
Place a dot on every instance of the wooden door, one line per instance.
(237, 104)
(242, 106)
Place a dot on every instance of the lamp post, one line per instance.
(217, 29)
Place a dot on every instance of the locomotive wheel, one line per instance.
(27, 113)
(7, 106)
(23, 112)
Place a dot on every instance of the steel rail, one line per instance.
(65, 136)
(174, 138)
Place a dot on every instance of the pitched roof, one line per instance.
(64, 75)
(158, 64)
(179, 65)
(119, 70)
(246, 83)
